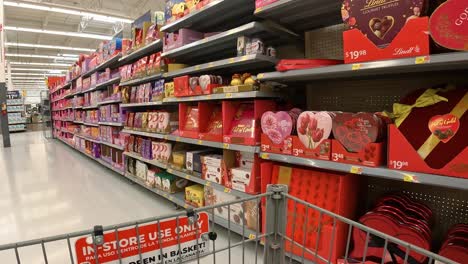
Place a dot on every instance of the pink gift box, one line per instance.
(180, 38)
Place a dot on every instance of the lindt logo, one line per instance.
(411, 50)
(373, 3)
(462, 17)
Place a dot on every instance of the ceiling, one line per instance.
(40, 19)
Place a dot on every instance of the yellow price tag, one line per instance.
(227, 190)
(208, 96)
(228, 95)
(260, 76)
(422, 60)
(185, 206)
(165, 75)
(232, 60)
(226, 146)
(200, 142)
(211, 64)
(187, 176)
(177, 139)
(258, 10)
(244, 58)
(356, 66)
(208, 183)
(197, 67)
(410, 178)
(170, 170)
(355, 170)
(171, 198)
(252, 236)
(265, 156)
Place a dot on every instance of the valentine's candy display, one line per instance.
(311, 139)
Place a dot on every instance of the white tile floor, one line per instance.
(47, 188)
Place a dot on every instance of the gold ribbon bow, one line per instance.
(429, 97)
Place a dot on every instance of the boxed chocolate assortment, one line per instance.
(193, 161)
(381, 20)
(171, 183)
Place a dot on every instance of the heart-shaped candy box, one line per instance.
(356, 131)
(277, 126)
(381, 20)
(313, 128)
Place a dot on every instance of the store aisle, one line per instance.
(48, 189)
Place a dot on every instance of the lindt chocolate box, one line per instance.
(381, 20)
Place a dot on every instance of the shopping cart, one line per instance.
(192, 236)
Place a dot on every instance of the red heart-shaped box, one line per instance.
(356, 131)
(386, 224)
(449, 25)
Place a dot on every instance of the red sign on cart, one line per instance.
(156, 244)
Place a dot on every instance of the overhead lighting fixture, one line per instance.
(40, 56)
(28, 45)
(25, 74)
(41, 70)
(61, 33)
(17, 78)
(69, 11)
(39, 64)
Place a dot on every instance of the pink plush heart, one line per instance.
(277, 126)
(313, 128)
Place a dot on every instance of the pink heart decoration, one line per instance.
(313, 128)
(277, 126)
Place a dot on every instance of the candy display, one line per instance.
(448, 25)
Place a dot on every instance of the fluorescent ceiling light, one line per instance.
(40, 56)
(42, 70)
(28, 45)
(39, 64)
(25, 74)
(18, 78)
(68, 55)
(69, 11)
(61, 33)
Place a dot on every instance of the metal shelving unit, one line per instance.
(381, 172)
(225, 43)
(301, 15)
(107, 64)
(440, 62)
(109, 102)
(145, 51)
(219, 145)
(87, 138)
(117, 124)
(231, 11)
(243, 63)
(90, 124)
(145, 79)
(197, 178)
(107, 83)
(223, 96)
(141, 104)
(90, 107)
(140, 158)
(112, 145)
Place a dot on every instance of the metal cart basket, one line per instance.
(192, 236)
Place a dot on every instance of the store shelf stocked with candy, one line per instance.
(201, 115)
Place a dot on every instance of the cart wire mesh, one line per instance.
(286, 237)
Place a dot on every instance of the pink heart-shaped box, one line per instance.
(313, 128)
(277, 126)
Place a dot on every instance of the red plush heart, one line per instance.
(356, 131)
(444, 127)
(449, 25)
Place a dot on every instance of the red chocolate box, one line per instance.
(434, 124)
(381, 20)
